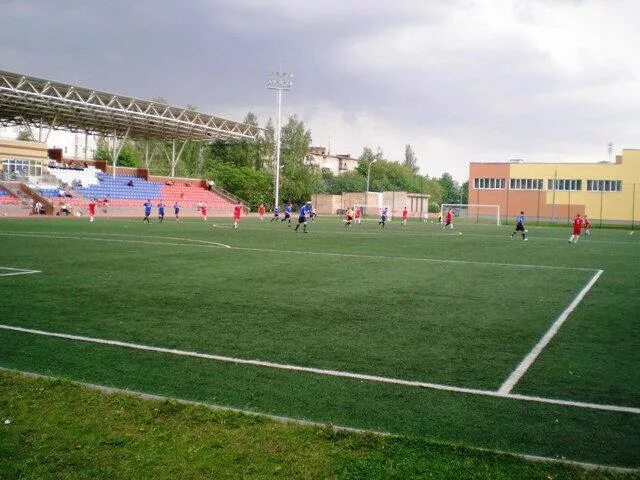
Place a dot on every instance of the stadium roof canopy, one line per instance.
(26, 100)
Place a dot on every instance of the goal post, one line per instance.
(373, 211)
(472, 211)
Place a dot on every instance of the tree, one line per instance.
(24, 135)
(128, 156)
(464, 191)
(410, 160)
(450, 189)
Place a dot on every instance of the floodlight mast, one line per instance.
(279, 81)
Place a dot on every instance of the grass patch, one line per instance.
(62, 430)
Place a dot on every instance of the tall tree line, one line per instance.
(247, 167)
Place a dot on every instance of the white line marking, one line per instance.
(307, 423)
(427, 233)
(330, 254)
(67, 237)
(17, 271)
(321, 371)
(521, 369)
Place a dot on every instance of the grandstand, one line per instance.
(45, 105)
(126, 192)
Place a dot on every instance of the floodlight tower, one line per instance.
(279, 81)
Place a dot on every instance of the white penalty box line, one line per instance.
(16, 271)
(531, 357)
(325, 372)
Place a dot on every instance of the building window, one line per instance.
(562, 184)
(604, 185)
(489, 183)
(526, 184)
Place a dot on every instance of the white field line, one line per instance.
(17, 271)
(438, 233)
(308, 423)
(93, 239)
(326, 372)
(297, 252)
(522, 368)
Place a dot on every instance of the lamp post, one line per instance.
(369, 173)
(279, 81)
(366, 193)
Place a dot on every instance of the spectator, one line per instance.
(188, 184)
(130, 183)
(64, 209)
(60, 192)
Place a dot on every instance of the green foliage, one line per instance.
(24, 135)
(337, 184)
(253, 186)
(464, 190)
(450, 189)
(129, 155)
(410, 160)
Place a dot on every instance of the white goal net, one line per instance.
(372, 212)
(471, 212)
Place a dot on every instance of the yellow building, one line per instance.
(607, 191)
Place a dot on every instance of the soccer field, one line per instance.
(473, 339)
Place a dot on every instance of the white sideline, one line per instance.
(17, 271)
(521, 369)
(308, 423)
(321, 371)
(269, 250)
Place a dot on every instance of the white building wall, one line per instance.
(71, 144)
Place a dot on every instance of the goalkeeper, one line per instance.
(520, 227)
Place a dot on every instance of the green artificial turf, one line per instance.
(376, 307)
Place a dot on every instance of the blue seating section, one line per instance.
(117, 188)
(49, 192)
(3, 193)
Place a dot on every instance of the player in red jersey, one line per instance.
(203, 212)
(92, 209)
(578, 222)
(261, 210)
(449, 220)
(237, 211)
(405, 216)
(587, 227)
(358, 215)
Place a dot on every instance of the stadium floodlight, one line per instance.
(369, 171)
(279, 81)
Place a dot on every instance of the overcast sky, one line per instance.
(459, 80)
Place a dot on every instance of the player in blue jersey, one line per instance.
(383, 217)
(287, 213)
(276, 213)
(176, 211)
(147, 211)
(302, 218)
(161, 212)
(311, 212)
(520, 227)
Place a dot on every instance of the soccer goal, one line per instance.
(374, 211)
(472, 212)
